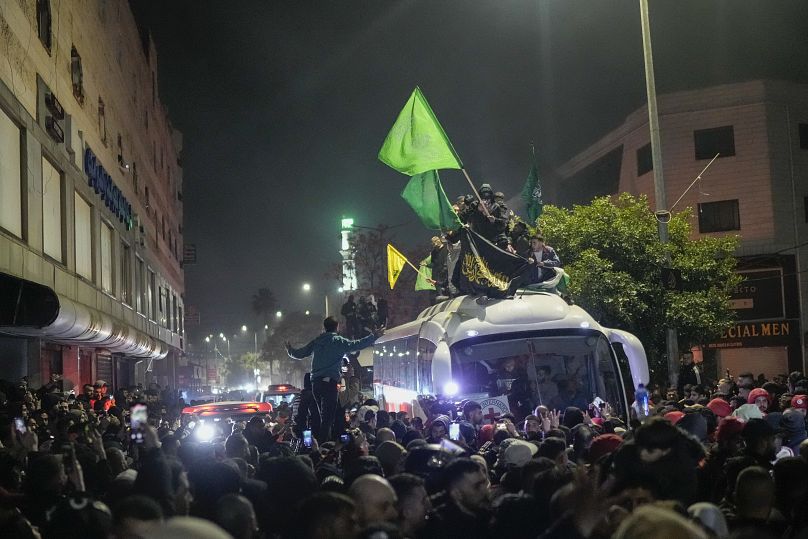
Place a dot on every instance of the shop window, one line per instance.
(719, 216)
(804, 136)
(718, 140)
(43, 23)
(10, 176)
(77, 75)
(102, 121)
(84, 237)
(645, 163)
(126, 274)
(106, 257)
(52, 204)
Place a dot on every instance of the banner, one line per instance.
(395, 263)
(484, 268)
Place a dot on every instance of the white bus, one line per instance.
(534, 348)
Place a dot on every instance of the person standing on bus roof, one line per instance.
(327, 351)
(544, 257)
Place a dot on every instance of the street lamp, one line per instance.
(255, 339)
(207, 339)
(278, 314)
(306, 287)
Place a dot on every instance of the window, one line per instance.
(180, 321)
(84, 238)
(102, 121)
(140, 283)
(76, 75)
(804, 136)
(175, 325)
(163, 218)
(43, 23)
(719, 216)
(126, 274)
(134, 177)
(106, 257)
(10, 176)
(52, 196)
(121, 162)
(146, 189)
(645, 162)
(151, 285)
(719, 140)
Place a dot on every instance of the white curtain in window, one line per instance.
(51, 210)
(106, 257)
(84, 238)
(10, 177)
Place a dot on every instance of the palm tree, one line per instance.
(263, 304)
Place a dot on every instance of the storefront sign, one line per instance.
(760, 295)
(101, 182)
(757, 334)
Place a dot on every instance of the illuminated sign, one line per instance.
(755, 334)
(101, 182)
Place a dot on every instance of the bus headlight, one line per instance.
(450, 389)
(205, 432)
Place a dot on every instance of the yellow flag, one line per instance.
(395, 263)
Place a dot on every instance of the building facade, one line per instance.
(757, 189)
(91, 238)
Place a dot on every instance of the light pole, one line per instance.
(662, 213)
(307, 288)
(255, 339)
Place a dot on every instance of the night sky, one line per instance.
(284, 105)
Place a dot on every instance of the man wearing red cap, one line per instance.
(719, 407)
(760, 398)
(728, 445)
(800, 403)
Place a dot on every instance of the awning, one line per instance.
(28, 309)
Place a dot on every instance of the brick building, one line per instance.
(91, 283)
(757, 189)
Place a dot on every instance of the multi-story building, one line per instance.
(91, 284)
(757, 188)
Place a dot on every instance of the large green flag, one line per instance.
(417, 142)
(531, 194)
(424, 275)
(426, 197)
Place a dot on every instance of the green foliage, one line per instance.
(612, 252)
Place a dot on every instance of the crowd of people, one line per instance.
(722, 461)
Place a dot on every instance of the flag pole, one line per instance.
(474, 190)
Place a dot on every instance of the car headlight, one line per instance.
(205, 432)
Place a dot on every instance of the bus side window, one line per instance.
(426, 349)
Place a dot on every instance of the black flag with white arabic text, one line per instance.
(484, 268)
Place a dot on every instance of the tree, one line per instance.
(369, 248)
(614, 257)
(298, 329)
(264, 304)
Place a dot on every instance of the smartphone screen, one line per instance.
(454, 431)
(307, 438)
(345, 438)
(19, 424)
(139, 416)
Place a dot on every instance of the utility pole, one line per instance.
(662, 214)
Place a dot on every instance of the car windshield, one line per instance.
(556, 371)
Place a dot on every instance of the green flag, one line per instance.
(424, 274)
(426, 197)
(417, 142)
(531, 194)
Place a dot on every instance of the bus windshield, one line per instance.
(556, 370)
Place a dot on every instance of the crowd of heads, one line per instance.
(724, 461)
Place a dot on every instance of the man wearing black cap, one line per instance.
(489, 219)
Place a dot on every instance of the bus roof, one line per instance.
(471, 316)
